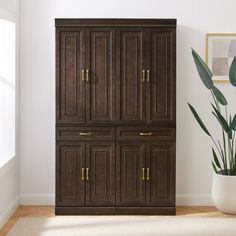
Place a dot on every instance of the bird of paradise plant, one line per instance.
(224, 150)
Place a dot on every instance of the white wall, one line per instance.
(9, 172)
(7, 90)
(195, 18)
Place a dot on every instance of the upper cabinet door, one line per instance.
(100, 76)
(130, 87)
(160, 79)
(100, 174)
(70, 87)
(160, 174)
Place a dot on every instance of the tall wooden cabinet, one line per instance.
(115, 116)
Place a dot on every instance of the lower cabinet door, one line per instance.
(160, 180)
(70, 185)
(130, 174)
(100, 174)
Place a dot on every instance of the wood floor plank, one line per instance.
(48, 211)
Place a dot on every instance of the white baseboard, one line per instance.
(37, 199)
(181, 199)
(5, 216)
(194, 200)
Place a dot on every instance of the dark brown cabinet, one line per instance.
(100, 76)
(70, 187)
(86, 174)
(160, 184)
(70, 86)
(130, 164)
(100, 167)
(86, 70)
(115, 116)
(130, 66)
(146, 67)
(160, 76)
(145, 174)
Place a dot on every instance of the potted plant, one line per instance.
(224, 149)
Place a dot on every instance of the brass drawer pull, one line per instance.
(82, 173)
(87, 173)
(148, 174)
(87, 75)
(145, 133)
(148, 75)
(143, 75)
(143, 173)
(82, 74)
(85, 133)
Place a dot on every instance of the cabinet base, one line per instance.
(115, 211)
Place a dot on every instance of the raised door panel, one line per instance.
(130, 184)
(70, 87)
(161, 83)
(100, 184)
(70, 186)
(130, 89)
(161, 181)
(100, 77)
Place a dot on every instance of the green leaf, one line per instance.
(232, 72)
(233, 123)
(216, 159)
(219, 96)
(214, 167)
(221, 120)
(203, 70)
(199, 120)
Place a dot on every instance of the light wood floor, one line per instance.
(48, 211)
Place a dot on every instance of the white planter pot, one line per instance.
(224, 193)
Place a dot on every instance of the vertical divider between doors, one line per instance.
(147, 158)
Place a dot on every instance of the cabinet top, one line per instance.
(106, 22)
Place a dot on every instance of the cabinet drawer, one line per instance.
(145, 133)
(85, 133)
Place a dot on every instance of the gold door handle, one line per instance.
(87, 75)
(148, 76)
(143, 75)
(87, 173)
(85, 133)
(82, 74)
(145, 133)
(143, 173)
(148, 174)
(82, 173)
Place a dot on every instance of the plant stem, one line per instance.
(225, 153)
(226, 114)
(218, 149)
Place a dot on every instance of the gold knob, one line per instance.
(143, 75)
(148, 76)
(82, 74)
(145, 133)
(148, 174)
(85, 133)
(143, 173)
(87, 75)
(87, 173)
(82, 173)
